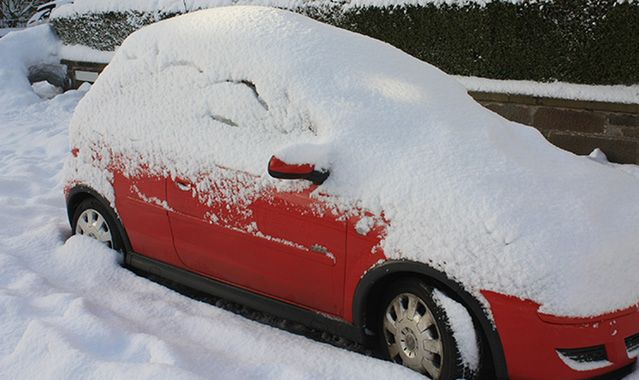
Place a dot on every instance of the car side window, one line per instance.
(240, 103)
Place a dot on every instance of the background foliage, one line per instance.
(580, 41)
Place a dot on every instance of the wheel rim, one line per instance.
(412, 336)
(91, 223)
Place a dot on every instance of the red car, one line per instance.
(328, 178)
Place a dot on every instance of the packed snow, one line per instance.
(5, 31)
(583, 366)
(69, 311)
(461, 324)
(16, 57)
(558, 90)
(487, 201)
(85, 54)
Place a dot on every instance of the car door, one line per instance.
(141, 203)
(284, 244)
(236, 226)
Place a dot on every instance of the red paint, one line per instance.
(285, 245)
(146, 221)
(279, 166)
(363, 253)
(530, 342)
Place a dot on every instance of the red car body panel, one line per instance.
(298, 254)
(530, 339)
(290, 246)
(138, 201)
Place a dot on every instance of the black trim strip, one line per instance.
(252, 300)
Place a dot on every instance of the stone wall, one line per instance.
(577, 126)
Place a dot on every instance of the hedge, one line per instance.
(579, 41)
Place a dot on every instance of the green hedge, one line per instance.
(580, 41)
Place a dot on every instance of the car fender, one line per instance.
(79, 192)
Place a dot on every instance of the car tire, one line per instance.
(414, 331)
(93, 219)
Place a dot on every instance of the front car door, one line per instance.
(237, 225)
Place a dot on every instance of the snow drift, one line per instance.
(19, 51)
(488, 201)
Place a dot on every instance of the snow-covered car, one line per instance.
(329, 178)
(43, 12)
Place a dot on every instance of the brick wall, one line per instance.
(577, 126)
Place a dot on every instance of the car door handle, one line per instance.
(182, 184)
(324, 252)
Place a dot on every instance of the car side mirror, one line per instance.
(280, 169)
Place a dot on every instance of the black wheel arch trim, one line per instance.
(455, 290)
(78, 192)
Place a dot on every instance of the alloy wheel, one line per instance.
(412, 336)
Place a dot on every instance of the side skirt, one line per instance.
(241, 296)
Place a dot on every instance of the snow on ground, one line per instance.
(559, 90)
(69, 311)
(5, 31)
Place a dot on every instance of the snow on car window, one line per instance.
(223, 98)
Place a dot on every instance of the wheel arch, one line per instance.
(375, 281)
(79, 193)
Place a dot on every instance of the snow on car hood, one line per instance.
(488, 201)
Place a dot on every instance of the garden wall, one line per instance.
(577, 126)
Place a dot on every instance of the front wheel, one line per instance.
(416, 332)
(94, 220)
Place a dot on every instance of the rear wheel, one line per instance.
(94, 220)
(415, 332)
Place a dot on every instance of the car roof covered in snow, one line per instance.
(488, 201)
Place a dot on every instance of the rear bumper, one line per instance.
(532, 341)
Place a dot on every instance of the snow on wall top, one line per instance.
(558, 90)
(489, 201)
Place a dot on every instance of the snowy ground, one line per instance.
(5, 31)
(68, 310)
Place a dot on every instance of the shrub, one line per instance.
(580, 41)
